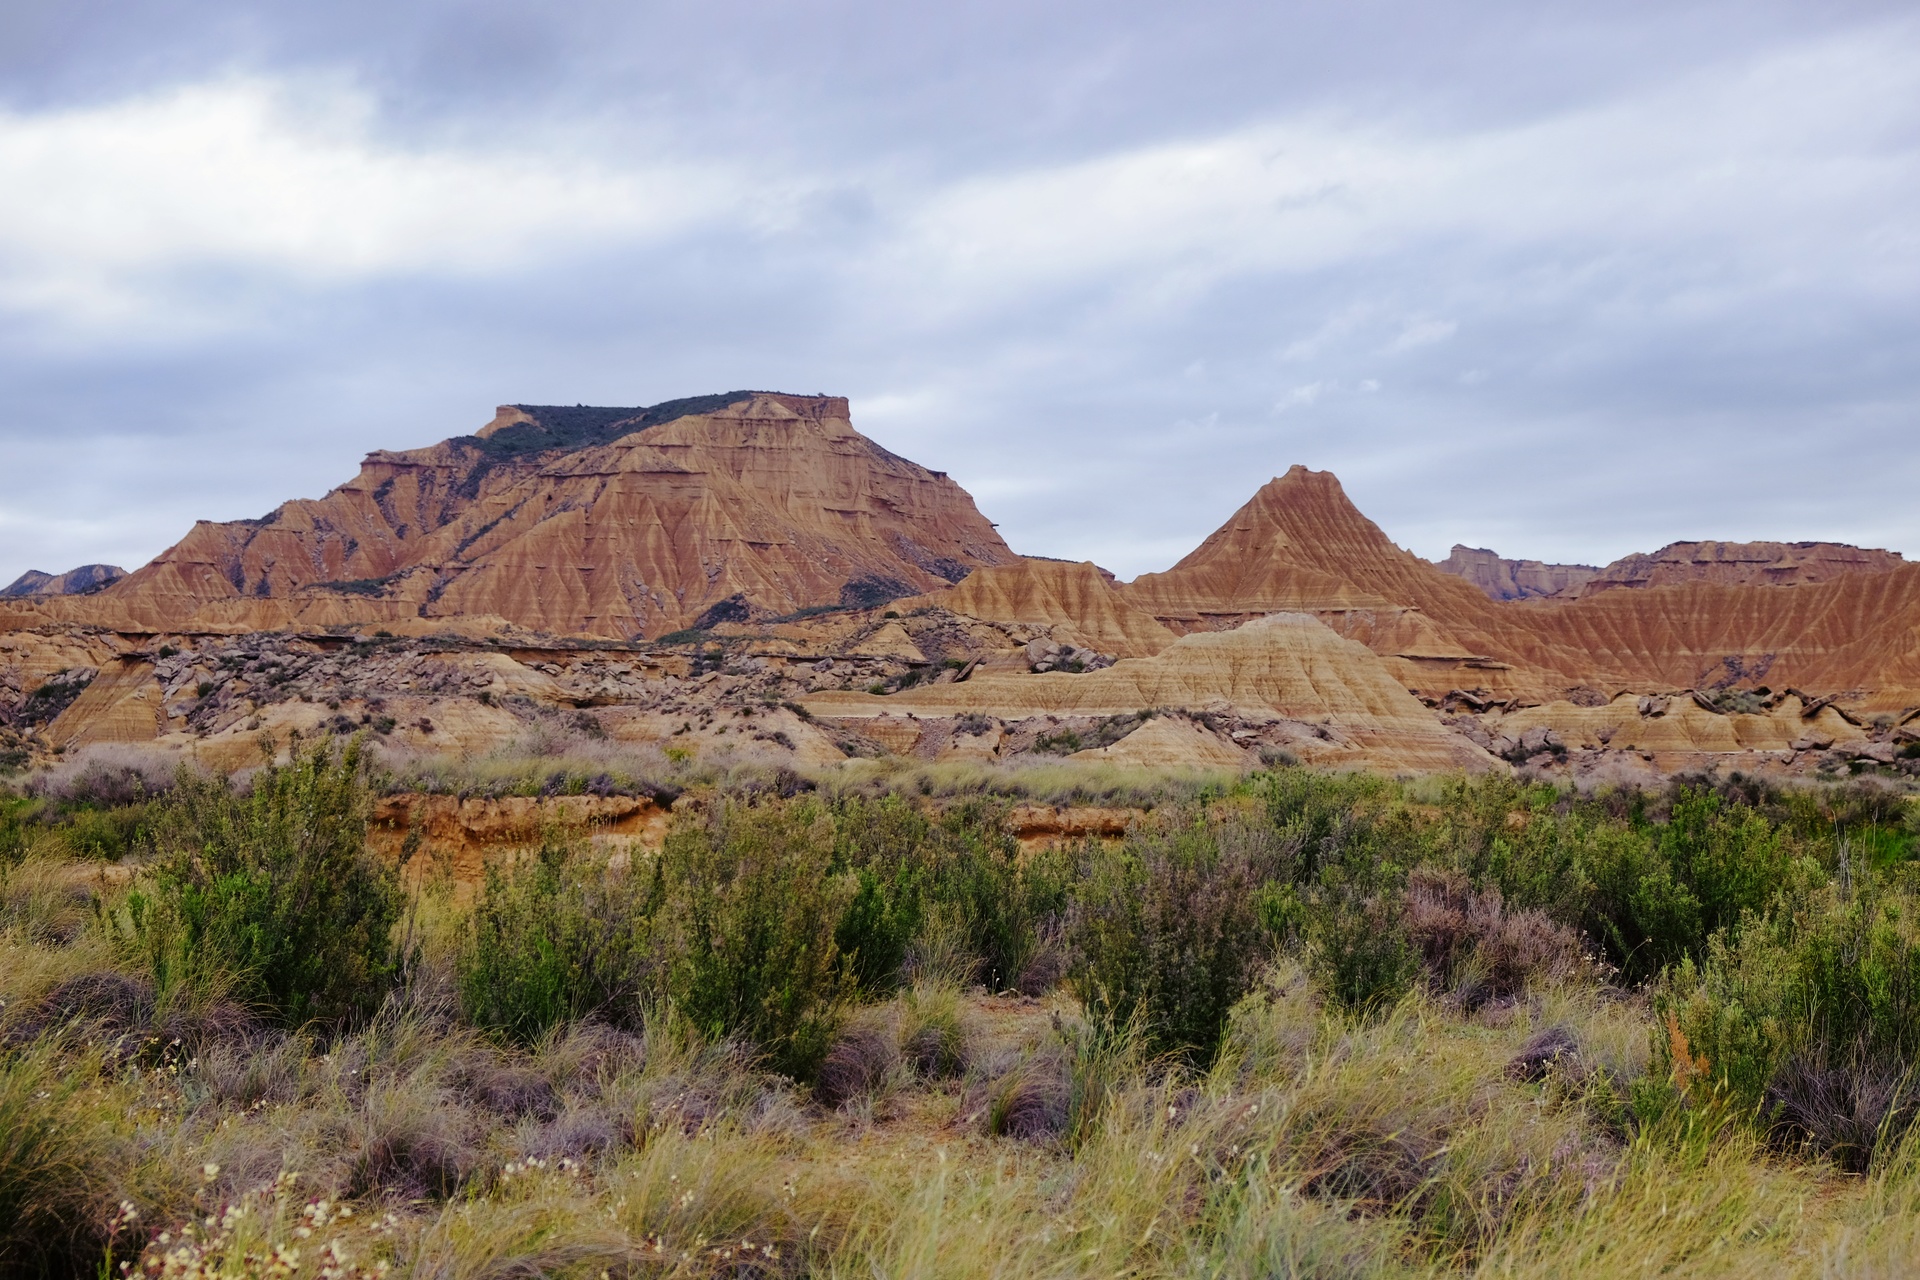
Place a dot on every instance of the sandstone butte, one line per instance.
(759, 506)
(856, 602)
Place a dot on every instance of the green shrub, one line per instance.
(1001, 901)
(18, 830)
(1812, 1015)
(1358, 944)
(1661, 890)
(748, 910)
(956, 885)
(272, 891)
(1167, 927)
(883, 844)
(108, 835)
(1503, 834)
(555, 938)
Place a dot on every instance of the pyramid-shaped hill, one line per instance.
(1300, 544)
(598, 522)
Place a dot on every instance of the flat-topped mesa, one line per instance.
(1778, 564)
(592, 521)
(1504, 579)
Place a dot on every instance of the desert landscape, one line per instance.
(846, 641)
(690, 841)
(750, 576)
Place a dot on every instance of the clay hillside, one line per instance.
(605, 522)
(747, 576)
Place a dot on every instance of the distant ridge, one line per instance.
(85, 580)
(1504, 579)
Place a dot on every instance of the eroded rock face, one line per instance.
(761, 507)
(1771, 564)
(1285, 667)
(431, 601)
(1300, 544)
(1079, 601)
(1504, 579)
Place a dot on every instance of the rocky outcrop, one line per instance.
(1504, 579)
(1770, 564)
(1078, 601)
(1301, 544)
(1282, 667)
(85, 580)
(586, 522)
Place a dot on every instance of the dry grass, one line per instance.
(1058, 782)
(1318, 1145)
(964, 1135)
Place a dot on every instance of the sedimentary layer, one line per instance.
(768, 505)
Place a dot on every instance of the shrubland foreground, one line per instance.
(1290, 1024)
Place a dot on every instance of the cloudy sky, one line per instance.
(1567, 280)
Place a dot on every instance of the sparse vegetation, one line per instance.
(1288, 1024)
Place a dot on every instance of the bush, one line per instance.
(1167, 928)
(1002, 903)
(108, 835)
(748, 911)
(17, 827)
(1813, 1016)
(1661, 891)
(272, 891)
(956, 892)
(1474, 949)
(883, 843)
(1502, 834)
(556, 938)
(1359, 948)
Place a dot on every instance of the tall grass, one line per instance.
(1291, 1024)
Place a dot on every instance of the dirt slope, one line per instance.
(1079, 601)
(1287, 666)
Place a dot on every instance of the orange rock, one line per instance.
(1078, 601)
(1781, 564)
(762, 507)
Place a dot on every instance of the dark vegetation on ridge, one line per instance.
(1399, 1026)
(584, 426)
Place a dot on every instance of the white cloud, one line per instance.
(1423, 333)
(256, 175)
(1301, 396)
(1755, 173)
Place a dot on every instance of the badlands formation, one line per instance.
(746, 576)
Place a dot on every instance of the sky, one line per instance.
(1564, 280)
